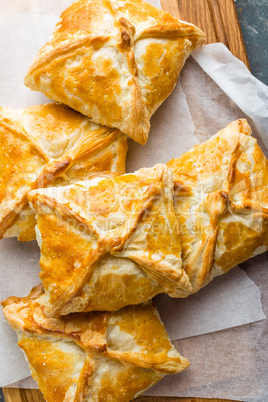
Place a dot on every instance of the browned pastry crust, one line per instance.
(119, 255)
(114, 61)
(46, 144)
(221, 203)
(109, 244)
(96, 356)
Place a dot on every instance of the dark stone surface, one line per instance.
(253, 17)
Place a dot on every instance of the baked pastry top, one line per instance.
(115, 61)
(221, 203)
(93, 356)
(110, 243)
(46, 144)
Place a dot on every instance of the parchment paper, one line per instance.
(214, 89)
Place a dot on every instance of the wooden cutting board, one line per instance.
(219, 20)
(33, 395)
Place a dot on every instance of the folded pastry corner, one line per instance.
(93, 356)
(221, 203)
(44, 145)
(108, 243)
(114, 61)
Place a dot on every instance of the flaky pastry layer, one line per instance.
(221, 203)
(49, 145)
(92, 356)
(109, 243)
(137, 248)
(115, 61)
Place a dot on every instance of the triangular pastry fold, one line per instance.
(221, 202)
(114, 61)
(92, 356)
(95, 235)
(49, 145)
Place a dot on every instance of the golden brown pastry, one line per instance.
(96, 356)
(111, 238)
(110, 243)
(221, 202)
(115, 61)
(46, 144)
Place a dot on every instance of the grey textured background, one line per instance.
(253, 17)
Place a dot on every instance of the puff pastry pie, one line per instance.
(221, 202)
(95, 356)
(115, 61)
(109, 244)
(46, 144)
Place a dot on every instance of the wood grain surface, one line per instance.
(33, 395)
(219, 20)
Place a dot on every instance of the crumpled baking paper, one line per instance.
(214, 89)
